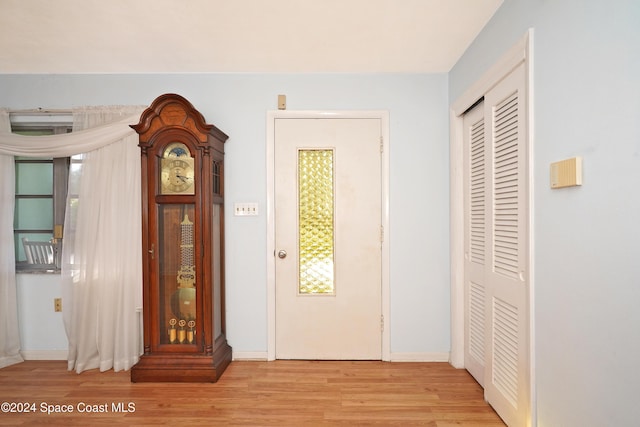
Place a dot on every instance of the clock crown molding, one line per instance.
(174, 111)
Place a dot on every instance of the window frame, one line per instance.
(60, 179)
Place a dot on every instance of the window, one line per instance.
(41, 192)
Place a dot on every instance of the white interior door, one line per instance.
(328, 218)
(507, 298)
(496, 276)
(475, 214)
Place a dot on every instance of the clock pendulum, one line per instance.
(183, 300)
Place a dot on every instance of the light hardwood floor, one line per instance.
(280, 393)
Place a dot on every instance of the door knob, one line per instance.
(282, 253)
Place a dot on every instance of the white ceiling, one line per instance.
(297, 36)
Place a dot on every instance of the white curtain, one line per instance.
(101, 266)
(9, 332)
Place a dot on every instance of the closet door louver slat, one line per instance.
(505, 349)
(505, 187)
(477, 193)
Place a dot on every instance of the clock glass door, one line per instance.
(177, 274)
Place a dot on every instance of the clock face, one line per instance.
(176, 171)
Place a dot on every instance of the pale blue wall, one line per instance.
(586, 250)
(237, 104)
(586, 240)
(41, 328)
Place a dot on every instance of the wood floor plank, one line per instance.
(280, 393)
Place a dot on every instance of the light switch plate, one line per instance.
(245, 209)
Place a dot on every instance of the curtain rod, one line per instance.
(34, 111)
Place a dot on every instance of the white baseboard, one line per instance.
(250, 355)
(44, 354)
(420, 357)
(395, 357)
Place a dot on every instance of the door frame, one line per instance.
(270, 212)
(519, 53)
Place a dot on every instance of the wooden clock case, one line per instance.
(184, 321)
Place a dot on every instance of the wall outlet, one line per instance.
(57, 304)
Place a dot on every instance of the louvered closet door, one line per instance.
(475, 211)
(506, 380)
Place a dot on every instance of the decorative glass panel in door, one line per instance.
(315, 213)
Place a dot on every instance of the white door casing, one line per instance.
(307, 306)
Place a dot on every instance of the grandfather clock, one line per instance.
(182, 245)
